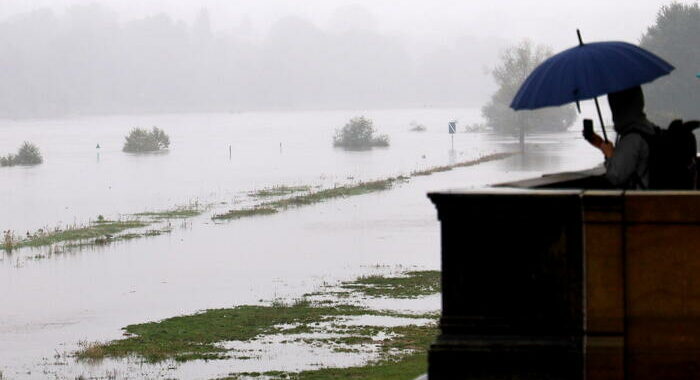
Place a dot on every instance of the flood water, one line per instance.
(47, 306)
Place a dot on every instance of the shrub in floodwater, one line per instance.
(28, 154)
(359, 133)
(8, 241)
(141, 140)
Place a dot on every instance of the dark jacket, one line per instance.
(628, 167)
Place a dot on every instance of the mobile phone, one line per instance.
(587, 128)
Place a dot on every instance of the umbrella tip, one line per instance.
(580, 40)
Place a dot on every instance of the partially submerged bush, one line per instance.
(141, 140)
(358, 133)
(416, 127)
(28, 154)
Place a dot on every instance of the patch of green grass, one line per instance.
(102, 229)
(410, 285)
(194, 336)
(437, 169)
(278, 191)
(246, 212)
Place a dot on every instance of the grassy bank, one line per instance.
(198, 336)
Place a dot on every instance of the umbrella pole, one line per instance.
(597, 106)
(600, 117)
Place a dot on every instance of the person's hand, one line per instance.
(593, 139)
(607, 148)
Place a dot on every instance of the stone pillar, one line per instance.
(512, 297)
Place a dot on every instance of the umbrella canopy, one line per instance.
(587, 71)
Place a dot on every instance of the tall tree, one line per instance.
(517, 63)
(674, 37)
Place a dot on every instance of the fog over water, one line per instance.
(68, 57)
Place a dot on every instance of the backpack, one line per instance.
(672, 156)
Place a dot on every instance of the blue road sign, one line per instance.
(453, 127)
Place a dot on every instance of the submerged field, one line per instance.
(321, 319)
(266, 201)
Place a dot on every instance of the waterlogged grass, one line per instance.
(278, 191)
(312, 197)
(417, 339)
(198, 336)
(100, 231)
(176, 213)
(410, 285)
(95, 230)
(272, 207)
(246, 212)
(336, 192)
(195, 336)
(438, 169)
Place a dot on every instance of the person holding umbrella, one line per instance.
(627, 163)
(590, 70)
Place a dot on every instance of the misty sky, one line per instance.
(115, 56)
(437, 21)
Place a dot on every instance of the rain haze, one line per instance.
(263, 161)
(109, 57)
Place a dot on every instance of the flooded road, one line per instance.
(50, 305)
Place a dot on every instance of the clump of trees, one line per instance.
(359, 133)
(141, 140)
(674, 37)
(517, 63)
(28, 154)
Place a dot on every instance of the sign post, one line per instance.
(452, 125)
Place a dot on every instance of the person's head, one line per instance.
(626, 106)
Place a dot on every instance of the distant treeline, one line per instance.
(85, 60)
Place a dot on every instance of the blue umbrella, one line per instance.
(588, 71)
